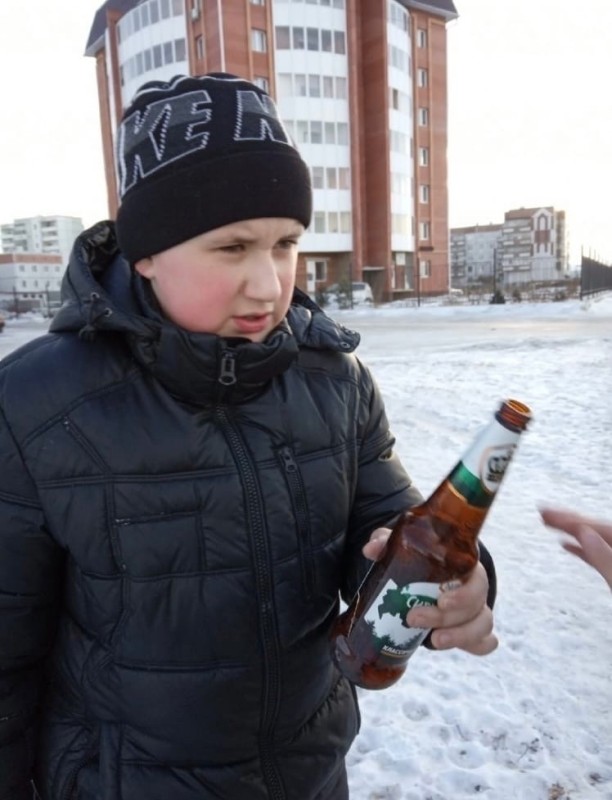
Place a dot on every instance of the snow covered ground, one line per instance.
(533, 721)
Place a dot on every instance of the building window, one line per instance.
(154, 11)
(168, 53)
(421, 37)
(262, 82)
(177, 8)
(425, 268)
(314, 85)
(332, 177)
(424, 231)
(299, 42)
(283, 41)
(300, 85)
(157, 54)
(320, 270)
(424, 193)
(326, 41)
(423, 116)
(316, 132)
(258, 2)
(312, 35)
(199, 48)
(344, 178)
(423, 156)
(317, 177)
(180, 48)
(345, 222)
(339, 42)
(319, 222)
(341, 88)
(259, 40)
(330, 133)
(422, 78)
(328, 86)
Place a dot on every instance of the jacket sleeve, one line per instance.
(30, 580)
(384, 491)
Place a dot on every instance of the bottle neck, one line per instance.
(478, 475)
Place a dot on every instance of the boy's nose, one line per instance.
(263, 282)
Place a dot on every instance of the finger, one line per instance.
(374, 548)
(475, 636)
(456, 605)
(571, 522)
(596, 552)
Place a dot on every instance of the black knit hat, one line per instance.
(198, 153)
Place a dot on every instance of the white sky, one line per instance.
(530, 113)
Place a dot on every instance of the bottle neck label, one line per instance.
(478, 475)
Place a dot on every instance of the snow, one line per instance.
(532, 721)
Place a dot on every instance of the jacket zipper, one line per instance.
(264, 588)
(227, 370)
(302, 518)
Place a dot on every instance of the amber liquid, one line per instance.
(415, 552)
(431, 544)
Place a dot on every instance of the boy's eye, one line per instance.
(232, 248)
(288, 243)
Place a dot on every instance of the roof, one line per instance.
(490, 228)
(442, 8)
(98, 28)
(524, 213)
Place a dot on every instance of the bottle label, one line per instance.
(478, 475)
(386, 617)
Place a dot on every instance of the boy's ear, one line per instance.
(144, 267)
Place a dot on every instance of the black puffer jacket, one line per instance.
(177, 516)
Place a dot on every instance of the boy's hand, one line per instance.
(461, 617)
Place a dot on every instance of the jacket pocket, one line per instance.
(295, 485)
(164, 544)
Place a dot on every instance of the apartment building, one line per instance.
(474, 253)
(50, 234)
(530, 246)
(361, 85)
(31, 277)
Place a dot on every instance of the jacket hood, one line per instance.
(100, 297)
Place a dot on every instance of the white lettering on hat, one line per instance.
(257, 119)
(166, 131)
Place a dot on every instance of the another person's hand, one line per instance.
(461, 617)
(592, 539)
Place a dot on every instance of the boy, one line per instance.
(192, 461)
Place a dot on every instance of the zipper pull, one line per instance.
(227, 373)
(290, 465)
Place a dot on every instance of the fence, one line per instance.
(595, 277)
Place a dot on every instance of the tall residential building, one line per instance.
(53, 234)
(362, 86)
(530, 246)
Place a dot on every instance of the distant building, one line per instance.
(533, 246)
(530, 246)
(474, 253)
(31, 277)
(362, 87)
(52, 234)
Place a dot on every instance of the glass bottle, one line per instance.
(432, 543)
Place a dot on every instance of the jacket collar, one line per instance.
(101, 295)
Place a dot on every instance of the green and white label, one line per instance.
(387, 617)
(490, 455)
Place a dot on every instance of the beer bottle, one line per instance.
(431, 544)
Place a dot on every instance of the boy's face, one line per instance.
(233, 281)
